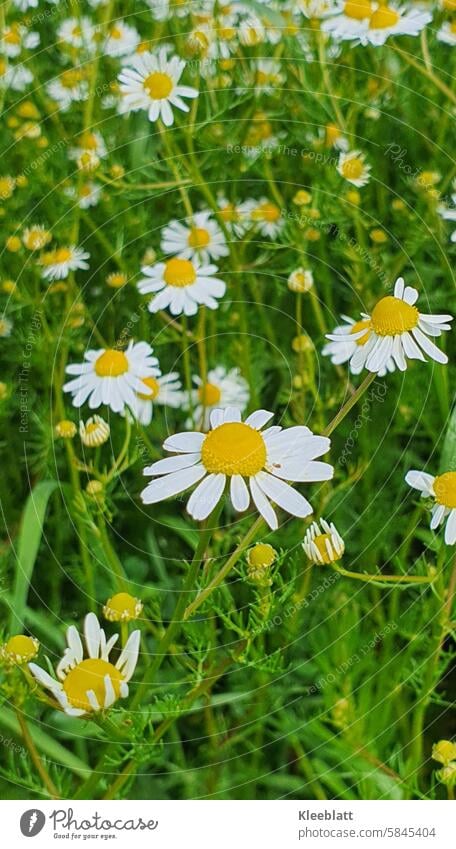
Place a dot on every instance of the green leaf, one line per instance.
(27, 547)
(53, 750)
(448, 456)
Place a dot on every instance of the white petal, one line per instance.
(92, 635)
(110, 694)
(44, 678)
(239, 493)
(428, 347)
(93, 701)
(259, 418)
(206, 496)
(172, 484)
(284, 495)
(75, 643)
(129, 656)
(184, 443)
(232, 414)
(172, 464)
(420, 480)
(262, 504)
(216, 418)
(438, 514)
(450, 529)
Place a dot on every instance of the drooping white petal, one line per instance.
(428, 347)
(284, 495)
(239, 493)
(420, 480)
(92, 699)
(110, 694)
(438, 514)
(206, 496)
(450, 529)
(262, 504)
(169, 485)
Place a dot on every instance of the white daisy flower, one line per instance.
(165, 390)
(200, 239)
(15, 38)
(442, 489)
(300, 280)
(68, 88)
(342, 350)
(323, 543)
(223, 388)
(182, 285)
(268, 75)
(352, 167)
(163, 10)
(94, 432)
(447, 33)
(237, 451)
(152, 84)
(14, 77)
(122, 40)
(87, 194)
(267, 217)
(393, 19)
(86, 685)
(77, 32)
(397, 331)
(112, 377)
(236, 216)
(58, 263)
(316, 9)
(88, 143)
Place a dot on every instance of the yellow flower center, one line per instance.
(56, 257)
(65, 429)
(384, 17)
(209, 394)
(12, 36)
(234, 448)
(262, 555)
(158, 85)
(21, 647)
(358, 9)
(36, 238)
(71, 78)
(88, 141)
(76, 31)
(352, 169)
(122, 606)
(116, 33)
(392, 316)
(179, 272)
(116, 280)
(90, 675)
(154, 385)
(332, 133)
(445, 489)
(229, 213)
(266, 212)
(320, 542)
(198, 238)
(357, 327)
(453, 27)
(111, 363)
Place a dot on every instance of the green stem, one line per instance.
(36, 759)
(339, 417)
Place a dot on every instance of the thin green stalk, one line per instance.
(36, 759)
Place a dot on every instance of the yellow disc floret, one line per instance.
(158, 86)
(209, 394)
(122, 607)
(391, 316)
(179, 272)
(326, 550)
(198, 238)
(19, 649)
(111, 363)
(90, 675)
(261, 555)
(234, 448)
(153, 384)
(445, 489)
(383, 18)
(358, 9)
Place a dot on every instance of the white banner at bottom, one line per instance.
(229, 824)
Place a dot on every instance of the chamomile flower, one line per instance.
(346, 339)
(351, 21)
(447, 33)
(200, 239)
(57, 264)
(14, 77)
(164, 390)
(268, 218)
(162, 10)
(122, 607)
(222, 388)
(396, 331)
(19, 649)
(112, 377)
(181, 285)
(268, 75)
(300, 280)
(69, 87)
(93, 683)
(152, 83)
(352, 167)
(94, 432)
(36, 237)
(255, 463)
(235, 216)
(65, 429)
(77, 32)
(392, 19)
(86, 194)
(322, 543)
(442, 489)
(88, 143)
(15, 38)
(7, 187)
(122, 40)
